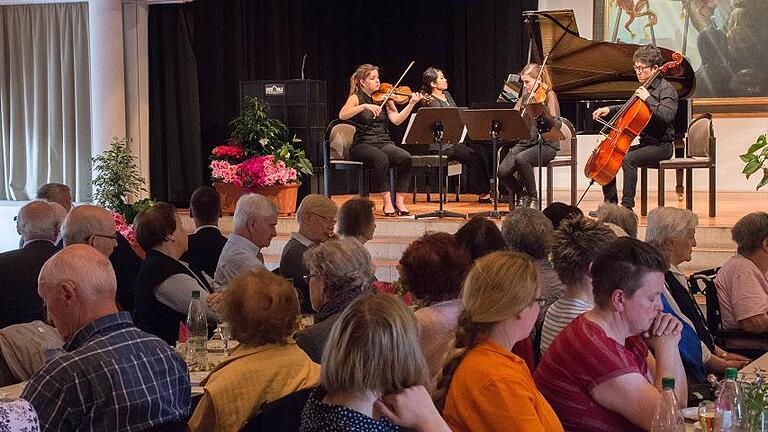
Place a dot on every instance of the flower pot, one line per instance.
(284, 196)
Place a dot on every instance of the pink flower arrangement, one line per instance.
(122, 226)
(265, 171)
(226, 172)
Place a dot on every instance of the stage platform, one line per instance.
(394, 234)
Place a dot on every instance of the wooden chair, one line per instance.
(566, 157)
(700, 147)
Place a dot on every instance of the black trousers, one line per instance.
(379, 158)
(477, 174)
(642, 155)
(519, 162)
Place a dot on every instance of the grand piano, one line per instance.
(587, 75)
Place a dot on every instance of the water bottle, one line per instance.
(668, 417)
(197, 334)
(729, 408)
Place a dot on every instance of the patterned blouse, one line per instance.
(18, 416)
(318, 416)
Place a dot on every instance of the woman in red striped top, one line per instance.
(598, 374)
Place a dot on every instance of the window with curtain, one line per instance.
(45, 120)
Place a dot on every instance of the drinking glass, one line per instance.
(225, 335)
(707, 416)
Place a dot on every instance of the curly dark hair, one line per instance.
(480, 236)
(433, 268)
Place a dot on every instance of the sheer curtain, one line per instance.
(45, 120)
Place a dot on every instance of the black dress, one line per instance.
(373, 146)
(478, 181)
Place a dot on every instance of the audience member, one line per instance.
(18, 415)
(39, 227)
(488, 387)
(373, 373)
(356, 220)
(436, 291)
(598, 374)
(480, 236)
(339, 272)
(206, 243)
(673, 232)
(164, 285)
(262, 311)
(94, 226)
(316, 220)
(61, 214)
(620, 216)
(58, 193)
(112, 376)
(255, 227)
(577, 242)
(742, 285)
(529, 231)
(557, 212)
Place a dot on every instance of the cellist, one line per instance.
(656, 139)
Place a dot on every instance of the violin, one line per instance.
(540, 94)
(399, 95)
(628, 123)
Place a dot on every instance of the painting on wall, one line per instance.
(726, 41)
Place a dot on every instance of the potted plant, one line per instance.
(116, 182)
(259, 157)
(755, 159)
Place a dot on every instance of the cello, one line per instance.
(606, 159)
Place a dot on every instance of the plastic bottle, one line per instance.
(668, 417)
(197, 331)
(729, 408)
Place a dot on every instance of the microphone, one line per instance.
(303, 61)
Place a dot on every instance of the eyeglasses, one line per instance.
(307, 278)
(111, 237)
(330, 220)
(639, 69)
(541, 301)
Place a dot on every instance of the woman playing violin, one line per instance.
(372, 144)
(516, 170)
(656, 139)
(435, 85)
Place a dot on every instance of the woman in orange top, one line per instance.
(488, 387)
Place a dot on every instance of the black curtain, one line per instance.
(477, 42)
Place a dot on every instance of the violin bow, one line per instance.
(388, 95)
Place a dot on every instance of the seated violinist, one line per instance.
(656, 139)
(435, 85)
(516, 169)
(372, 144)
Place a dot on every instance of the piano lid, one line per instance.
(585, 69)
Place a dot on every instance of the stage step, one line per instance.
(393, 235)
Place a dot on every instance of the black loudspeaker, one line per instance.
(302, 106)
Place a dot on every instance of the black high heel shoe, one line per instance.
(402, 212)
(389, 214)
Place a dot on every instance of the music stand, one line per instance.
(549, 128)
(501, 125)
(438, 126)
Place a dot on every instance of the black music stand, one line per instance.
(549, 128)
(502, 125)
(438, 126)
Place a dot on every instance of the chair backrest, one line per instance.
(704, 281)
(569, 142)
(340, 140)
(282, 415)
(700, 132)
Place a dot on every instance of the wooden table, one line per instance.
(760, 362)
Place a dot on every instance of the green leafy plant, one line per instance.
(755, 159)
(118, 179)
(755, 400)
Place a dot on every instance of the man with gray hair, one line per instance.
(112, 376)
(316, 220)
(255, 227)
(38, 225)
(742, 285)
(95, 226)
(56, 192)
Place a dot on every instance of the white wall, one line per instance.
(581, 8)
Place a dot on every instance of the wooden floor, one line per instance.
(730, 205)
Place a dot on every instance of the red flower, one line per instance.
(230, 151)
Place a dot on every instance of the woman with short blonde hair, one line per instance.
(262, 310)
(372, 354)
(488, 387)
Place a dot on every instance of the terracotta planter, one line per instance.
(284, 196)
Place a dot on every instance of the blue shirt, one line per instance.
(111, 377)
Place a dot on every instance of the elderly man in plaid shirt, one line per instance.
(112, 376)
